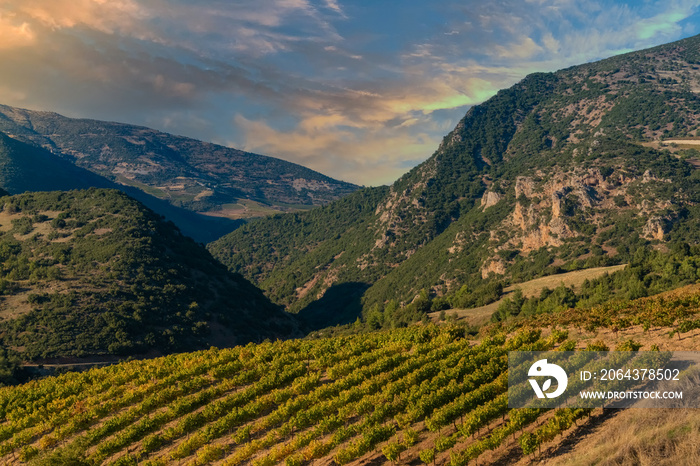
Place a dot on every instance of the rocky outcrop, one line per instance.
(557, 204)
(494, 266)
(547, 205)
(540, 213)
(524, 186)
(655, 228)
(524, 217)
(489, 199)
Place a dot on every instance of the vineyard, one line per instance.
(425, 394)
(675, 311)
(280, 402)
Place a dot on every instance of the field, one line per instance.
(683, 142)
(247, 208)
(290, 402)
(481, 315)
(643, 436)
(424, 394)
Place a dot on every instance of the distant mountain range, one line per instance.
(562, 171)
(194, 175)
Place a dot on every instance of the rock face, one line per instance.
(496, 266)
(655, 229)
(489, 199)
(544, 210)
(523, 187)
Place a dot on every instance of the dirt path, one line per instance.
(689, 142)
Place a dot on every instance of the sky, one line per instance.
(359, 90)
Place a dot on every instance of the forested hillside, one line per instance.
(562, 171)
(94, 272)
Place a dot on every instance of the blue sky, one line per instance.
(359, 90)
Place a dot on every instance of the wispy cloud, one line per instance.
(344, 152)
(335, 6)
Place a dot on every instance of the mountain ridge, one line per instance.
(24, 167)
(196, 175)
(561, 171)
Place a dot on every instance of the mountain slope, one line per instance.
(24, 167)
(27, 168)
(563, 170)
(188, 173)
(94, 272)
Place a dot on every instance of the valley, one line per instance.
(558, 173)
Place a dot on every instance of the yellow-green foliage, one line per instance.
(269, 403)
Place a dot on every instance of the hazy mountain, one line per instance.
(196, 175)
(95, 272)
(561, 171)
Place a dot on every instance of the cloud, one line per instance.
(367, 157)
(522, 48)
(206, 27)
(551, 44)
(335, 6)
(260, 27)
(349, 89)
(15, 34)
(123, 16)
(564, 32)
(663, 23)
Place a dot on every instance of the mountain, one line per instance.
(562, 171)
(24, 167)
(94, 272)
(196, 175)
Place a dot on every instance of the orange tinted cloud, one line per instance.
(15, 33)
(102, 15)
(367, 156)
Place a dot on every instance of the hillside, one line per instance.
(196, 175)
(24, 167)
(422, 395)
(562, 171)
(94, 272)
(530, 289)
